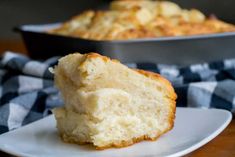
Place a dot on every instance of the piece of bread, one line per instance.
(110, 105)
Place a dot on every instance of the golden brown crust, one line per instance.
(93, 55)
(128, 143)
(96, 55)
(164, 81)
(140, 19)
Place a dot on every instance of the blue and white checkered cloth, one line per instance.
(27, 92)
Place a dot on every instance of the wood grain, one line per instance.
(222, 146)
(12, 45)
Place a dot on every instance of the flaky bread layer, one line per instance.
(68, 138)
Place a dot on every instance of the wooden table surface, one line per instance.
(222, 146)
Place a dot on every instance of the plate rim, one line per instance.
(208, 138)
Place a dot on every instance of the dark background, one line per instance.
(18, 12)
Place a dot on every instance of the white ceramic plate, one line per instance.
(193, 128)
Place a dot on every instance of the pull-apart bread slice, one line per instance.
(110, 105)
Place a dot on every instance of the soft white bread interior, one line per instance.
(110, 105)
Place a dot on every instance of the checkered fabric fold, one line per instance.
(27, 92)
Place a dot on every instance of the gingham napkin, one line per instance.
(27, 92)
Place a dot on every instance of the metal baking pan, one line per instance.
(167, 50)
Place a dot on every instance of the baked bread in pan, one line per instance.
(110, 105)
(133, 19)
